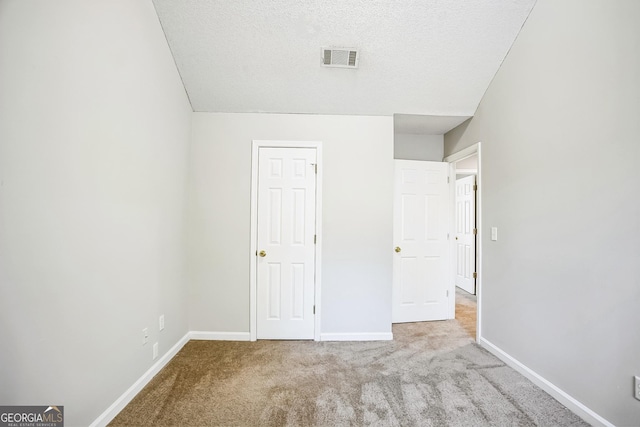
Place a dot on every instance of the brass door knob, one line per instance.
(398, 250)
(262, 254)
(456, 237)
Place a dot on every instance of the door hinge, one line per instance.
(448, 180)
(315, 167)
(475, 275)
(314, 309)
(475, 187)
(447, 293)
(475, 231)
(314, 239)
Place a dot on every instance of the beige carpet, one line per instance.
(432, 374)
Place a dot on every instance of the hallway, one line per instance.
(466, 311)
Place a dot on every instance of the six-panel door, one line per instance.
(286, 248)
(465, 238)
(421, 257)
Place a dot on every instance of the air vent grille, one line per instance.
(340, 57)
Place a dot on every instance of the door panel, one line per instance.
(421, 221)
(465, 238)
(286, 229)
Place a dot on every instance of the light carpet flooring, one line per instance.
(431, 374)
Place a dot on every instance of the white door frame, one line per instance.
(253, 303)
(451, 159)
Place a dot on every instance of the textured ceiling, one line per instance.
(418, 57)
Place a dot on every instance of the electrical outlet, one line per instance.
(636, 386)
(161, 322)
(145, 336)
(494, 233)
(155, 351)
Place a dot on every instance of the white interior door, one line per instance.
(285, 272)
(465, 234)
(421, 263)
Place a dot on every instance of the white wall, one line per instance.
(94, 127)
(559, 127)
(357, 217)
(409, 146)
(468, 163)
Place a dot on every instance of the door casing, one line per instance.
(255, 147)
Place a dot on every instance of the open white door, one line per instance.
(421, 280)
(465, 234)
(285, 272)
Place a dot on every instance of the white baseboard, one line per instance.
(220, 336)
(357, 336)
(107, 416)
(561, 396)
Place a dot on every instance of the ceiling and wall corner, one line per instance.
(430, 57)
(421, 137)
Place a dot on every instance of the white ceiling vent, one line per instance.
(340, 57)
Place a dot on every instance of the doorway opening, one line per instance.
(466, 251)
